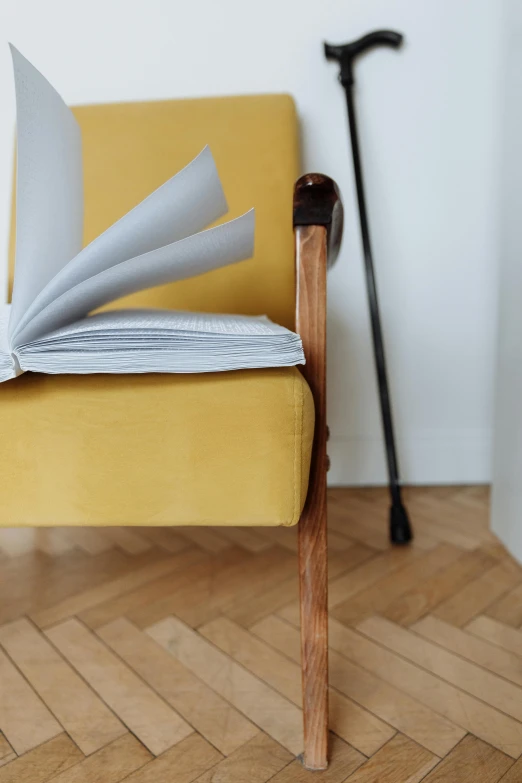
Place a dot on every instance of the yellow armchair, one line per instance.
(236, 448)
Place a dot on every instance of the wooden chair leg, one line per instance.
(313, 583)
(318, 218)
(313, 576)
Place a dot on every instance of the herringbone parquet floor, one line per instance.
(151, 655)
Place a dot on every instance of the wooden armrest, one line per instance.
(317, 202)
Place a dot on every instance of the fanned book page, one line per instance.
(48, 327)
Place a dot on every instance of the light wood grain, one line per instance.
(96, 595)
(43, 763)
(5, 748)
(464, 674)
(429, 594)
(390, 704)
(194, 595)
(260, 703)
(357, 726)
(127, 539)
(471, 762)
(356, 580)
(508, 609)
(166, 538)
(213, 717)
(400, 761)
(181, 764)
(146, 715)
(497, 633)
(479, 594)
(502, 662)
(245, 537)
(85, 717)
(111, 764)
(384, 591)
(24, 719)
(513, 775)
(88, 539)
(257, 761)
(205, 538)
(477, 717)
(250, 608)
(252, 580)
(191, 562)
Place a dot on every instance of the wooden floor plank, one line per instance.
(423, 599)
(24, 719)
(89, 539)
(145, 714)
(477, 717)
(268, 567)
(213, 717)
(43, 763)
(514, 774)
(399, 761)
(81, 713)
(181, 764)
(246, 537)
(354, 528)
(384, 591)
(111, 764)
(504, 696)
(502, 662)
(355, 725)
(128, 539)
(477, 595)
(472, 761)
(261, 704)
(425, 662)
(96, 595)
(192, 562)
(357, 580)
(166, 538)
(496, 633)
(378, 697)
(248, 610)
(5, 748)
(368, 573)
(255, 762)
(206, 538)
(508, 609)
(197, 594)
(37, 581)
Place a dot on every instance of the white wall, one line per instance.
(506, 515)
(428, 117)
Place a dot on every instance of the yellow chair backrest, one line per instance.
(130, 149)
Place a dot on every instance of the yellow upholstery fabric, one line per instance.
(216, 449)
(220, 449)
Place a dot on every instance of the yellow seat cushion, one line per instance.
(217, 449)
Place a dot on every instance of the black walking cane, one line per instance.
(400, 530)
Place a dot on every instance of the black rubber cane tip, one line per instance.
(400, 528)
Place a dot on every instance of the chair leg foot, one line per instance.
(301, 758)
(313, 581)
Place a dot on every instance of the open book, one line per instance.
(47, 327)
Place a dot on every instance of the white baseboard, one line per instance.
(456, 457)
